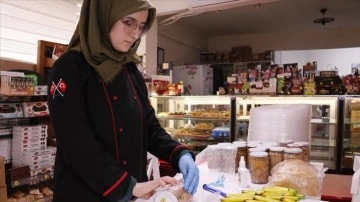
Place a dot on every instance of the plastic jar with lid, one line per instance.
(270, 144)
(293, 153)
(259, 167)
(254, 149)
(276, 155)
(305, 146)
(284, 143)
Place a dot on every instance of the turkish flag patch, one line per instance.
(59, 87)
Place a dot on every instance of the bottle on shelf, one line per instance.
(243, 173)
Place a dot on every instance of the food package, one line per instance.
(175, 193)
(298, 175)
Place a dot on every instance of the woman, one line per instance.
(102, 117)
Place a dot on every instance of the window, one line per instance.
(23, 23)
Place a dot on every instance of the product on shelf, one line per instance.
(35, 109)
(16, 84)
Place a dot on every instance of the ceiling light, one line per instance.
(324, 19)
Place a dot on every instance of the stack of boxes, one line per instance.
(3, 191)
(29, 147)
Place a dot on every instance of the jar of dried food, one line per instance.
(254, 149)
(293, 153)
(305, 146)
(276, 155)
(241, 151)
(259, 167)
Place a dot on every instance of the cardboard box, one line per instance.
(17, 172)
(35, 109)
(5, 148)
(30, 128)
(2, 172)
(3, 194)
(11, 110)
(16, 86)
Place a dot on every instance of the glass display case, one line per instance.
(192, 119)
(350, 132)
(324, 122)
(176, 114)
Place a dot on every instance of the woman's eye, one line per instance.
(141, 27)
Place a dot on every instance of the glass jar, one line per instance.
(276, 155)
(254, 149)
(259, 167)
(293, 153)
(305, 146)
(241, 151)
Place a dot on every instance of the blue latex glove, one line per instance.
(190, 173)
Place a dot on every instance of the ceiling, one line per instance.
(257, 16)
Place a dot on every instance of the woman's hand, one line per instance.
(145, 190)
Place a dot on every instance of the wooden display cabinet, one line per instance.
(44, 57)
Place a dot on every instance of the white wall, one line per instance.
(327, 59)
(305, 40)
(182, 45)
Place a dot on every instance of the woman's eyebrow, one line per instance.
(131, 18)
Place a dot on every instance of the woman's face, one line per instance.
(127, 30)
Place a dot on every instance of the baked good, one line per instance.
(179, 192)
(298, 175)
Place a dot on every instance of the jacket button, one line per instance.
(115, 98)
(120, 130)
(124, 162)
(134, 97)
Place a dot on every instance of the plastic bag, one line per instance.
(299, 175)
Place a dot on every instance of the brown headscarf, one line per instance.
(92, 34)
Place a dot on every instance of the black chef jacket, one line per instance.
(103, 131)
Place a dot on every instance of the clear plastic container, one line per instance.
(213, 157)
(259, 167)
(228, 154)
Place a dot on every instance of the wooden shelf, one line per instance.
(44, 59)
(49, 62)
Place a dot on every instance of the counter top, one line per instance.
(230, 186)
(336, 188)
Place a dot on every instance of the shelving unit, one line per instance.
(7, 123)
(44, 57)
